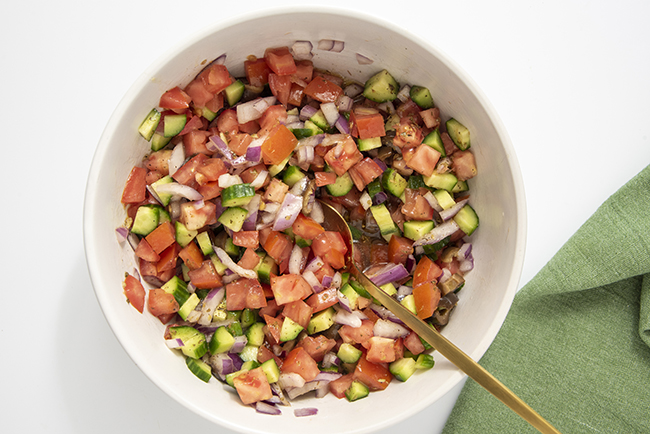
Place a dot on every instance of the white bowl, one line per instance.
(497, 195)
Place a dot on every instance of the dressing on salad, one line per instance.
(224, 220)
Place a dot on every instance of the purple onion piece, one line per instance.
(380, 163)
(254, 154)
(289, 210)
(363, 60)
(379, 198)
(342, 125)
(307, 112)
(121, 233)
(307, 411)
(389, 273)
(265, 408)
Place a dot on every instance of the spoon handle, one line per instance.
(455, 355)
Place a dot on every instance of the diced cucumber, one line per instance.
(271, 371)
(445, 181)
(205, 242)
(199, 368)
(194, 343)
(356, 391)
(353, 296)
(387, 226)
(460, 187)
(424, 361)
(189, 305)
(247, 318)
(265, 268)
(290, 330)
(434, 140)
(348, 353)
(146, 220)
(403, 368)
(208, 114)
(393, 182)
(374, 187)
(342, 186)
(149, 124)
(233, 218)
(368, 144)
(320, 120)
(218, 265)
(321, 321)
(221, 341)
(292, 175)
(174, 124)
(301, 133)
(159, 141)
(184, 236)
(178, 288)
(237, 195)
(231, 377)
(409, 303)
(255, 334)
(234, 92)
(381, 87)
(444, 198)
(235, 328)
(459, 134)
(415, 181)
(230, 247)
(363, 292)
(467, 219)
(277, 168)
(165, 198)
(388, 288)
(421, 96)
(416, 229)
(249, 353)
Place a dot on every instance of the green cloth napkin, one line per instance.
(575, 345)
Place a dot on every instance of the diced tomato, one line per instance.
(374, 375)
(431, 117)
(152, 177)
(367, 123)
(198, 92)
(295, 94)
(175, 99)
(144, 251)
(210, 190)
(364, 172)
(324, 178)
(278, 246)
(407, 133)
(159, 161)
(298, 311)
(134, 292)
(244, 293)
(264, 354)
(280, 86)
(304, 70)
(161, 302)
(399, 249)
(227, 122)
(215, 104)
(250, 127)
(276, 191)
(212, 169)
(306, 227)
(399, 348)
(195, 141)
(162, 237)
(410, 111)
(257, 72)
(289, 287)
(343, 155)
(273, 326)
(357, 335)
(331, 248)
(298, 361)
(416, 207)
(273, 115)
(251, 173)
(426, 271)
(253, 386)
(340, 385)
(216, 78)
(317, 346)
(193, 123)
(427, 297)
(239, 143)
(206, 276)
(278, 145)
(322, 300)
(168, 258)
(424, 159)
(280, 60)
(450, 146)
(463, 164)
(195, 218)
(135, 190)
(413, 343)
(191, 256)
(381, 350)
(249, 259)
(247, 239)
(323, 90)
(150, 274)
(187, 172)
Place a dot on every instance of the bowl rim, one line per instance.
(220, 25)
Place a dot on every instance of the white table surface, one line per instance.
(570, 79)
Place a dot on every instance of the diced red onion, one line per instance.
(307, 411)
(446, 274)
(365, 200)
(388, 329)
(133, 240)
(291, 206)
(433, 201)
(410, 264)
(384, 313)
(307, 112)
(311, 140)
(290, 380)
(379, 198)
(342, 125)
(327, 281)
(333, 139)
(260, 179)
(331, 45)
(216, 144)
(387, 107)
(403, 291)
(364, 60)
(228, 262)
(315, 264)
(176, 158)
(465, 251)
(344, 103)
(179, 190)
(438, 233)
(239, 344)
(251, 110)
(331, 112)
(311, 278)
(465, 258)
(353, 319)
(337, 280)
(121, 233)
(305, 155)
(265, 408)
(295, 259)
(210, 304)
(353, 90)
(228, 180)
(330, 359)
(450, 212)
(404, 93)
(254, 153)
(153, 194)
(193, 316)
(380, 163)
(388, 273)
(302, 50)
(295, 392)
(343, 301)
(174, 343)
(222, 365)
(317, 213)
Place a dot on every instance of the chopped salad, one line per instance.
(225, 220)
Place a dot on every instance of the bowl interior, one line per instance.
(496, 194)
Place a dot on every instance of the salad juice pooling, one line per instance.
(224, 221)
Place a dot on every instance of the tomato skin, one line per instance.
(159, 161)
(323, 90)
(278, 145)
(413, 343)
(246, 239)
(416, 207)
(280, 60)
(298, 361)
(227, 122)
(134, 292)
(367, 123)
(161, 302)
(243, 293)
(407, 133)
(324, 178)
(135, 189)
(186, 174)
(191, 256)
(322, 300)
(175, 99)
(423, 160)
(257, 72)
(278, 246)
(199, 94)
(289, 287)
(239, 143)
(464, 164)
(280, 87)
(205, 276)
(306, 227)
(357, 335)
(216, 78)
(364, 172)
(399, 248)
(317, 346)
(426, 271)
(212, 169)
(426, 297)
(252, 386)
(381, 350)
(144, 251)
(162, 237)
(343, 155)
(340, 385)
(331, 248)
(249, 259)
(374, 375)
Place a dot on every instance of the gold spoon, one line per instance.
(335, 222)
